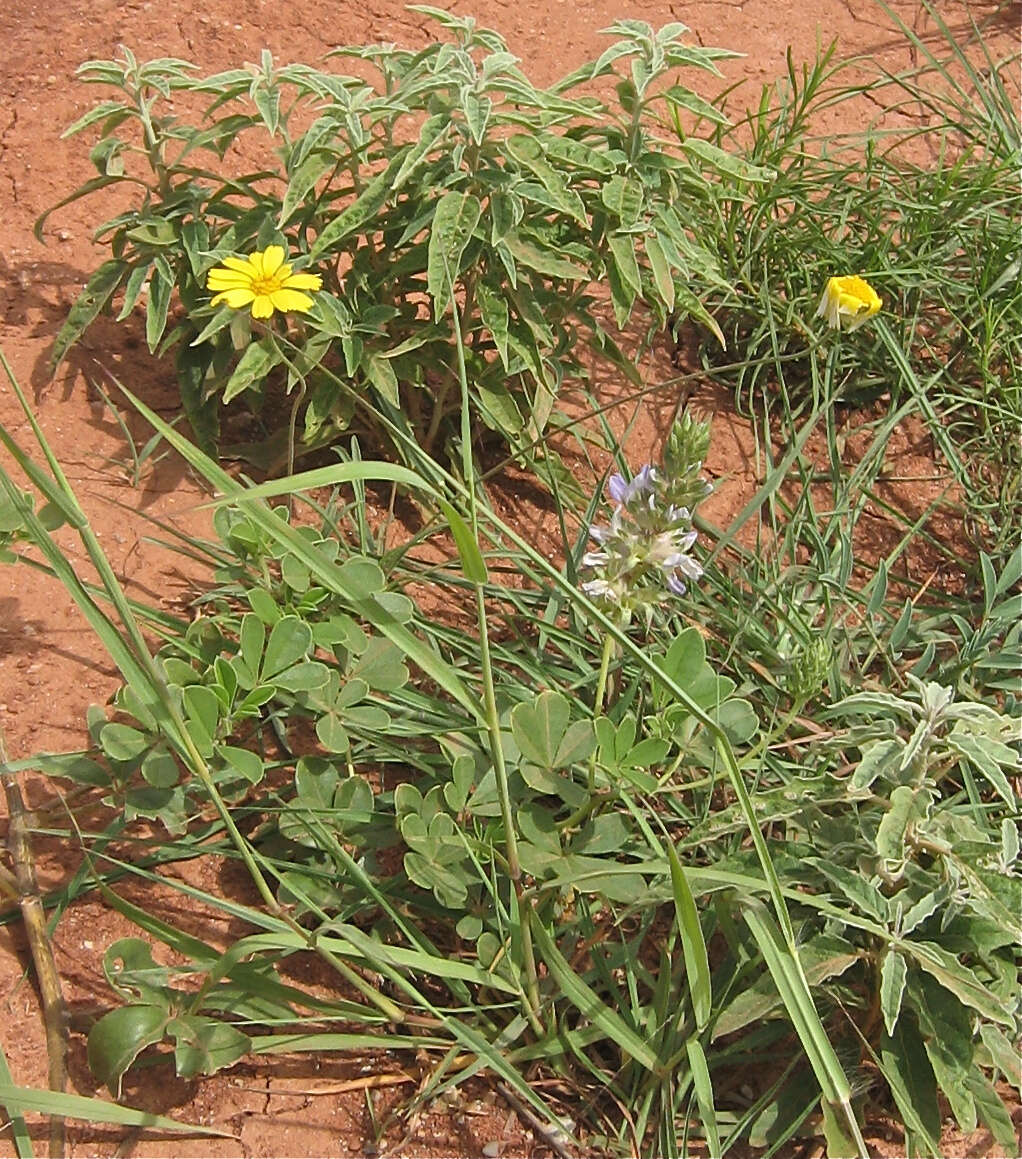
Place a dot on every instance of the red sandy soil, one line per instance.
(51, 667)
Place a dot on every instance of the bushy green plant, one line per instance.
(450, 181)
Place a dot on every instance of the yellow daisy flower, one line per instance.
(848, 302)
(264, 281)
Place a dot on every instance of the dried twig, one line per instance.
(553, 1138)
(34, 917)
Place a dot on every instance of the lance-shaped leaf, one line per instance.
(457, 215)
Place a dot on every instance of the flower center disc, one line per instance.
(264, 287)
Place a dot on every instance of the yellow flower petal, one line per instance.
(242, 265)
(848, 301)
(263, 280)
(237, 297)
(226, 279)
(262, 307)
(288, 299)
(302, 281)
(272, 260)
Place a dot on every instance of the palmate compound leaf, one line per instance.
(289, 642)
(121, 742)
(545, 736)
(381, 666)
(325, 799)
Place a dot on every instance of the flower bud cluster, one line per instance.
(645, 553)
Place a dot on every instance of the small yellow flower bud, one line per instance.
(848, 302)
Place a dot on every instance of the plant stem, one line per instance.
(601, 692)
(601, 680)
(525, 905)
(40, 945)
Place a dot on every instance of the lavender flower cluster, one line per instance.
(644, 554)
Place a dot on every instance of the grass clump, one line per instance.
(929, 213)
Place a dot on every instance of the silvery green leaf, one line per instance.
(455, 218)
(691, 102)
(992, 1111)
(568, 151)
(544, 261)
(855, 887)
(362, 209)
(893, 975)
(528, 153)
(660, 266)
(727, 164)
(890, 835)
(623, 197)
(302, 182)
(961, 981)
(917, 743)
(872, 703)
(924, 908)
(1009, 844)
(876, 757)
(477, 114)
(381, 374)
(253, 367)
(987, 756)
(1003, 1054)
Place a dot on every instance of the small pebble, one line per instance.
(491, 1150)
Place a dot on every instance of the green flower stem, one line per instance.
(601, 692)
(292, 421)
(525, 905)
(601, 680)
(526, 912)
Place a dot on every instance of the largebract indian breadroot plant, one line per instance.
(896, 885)
(451, 179)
